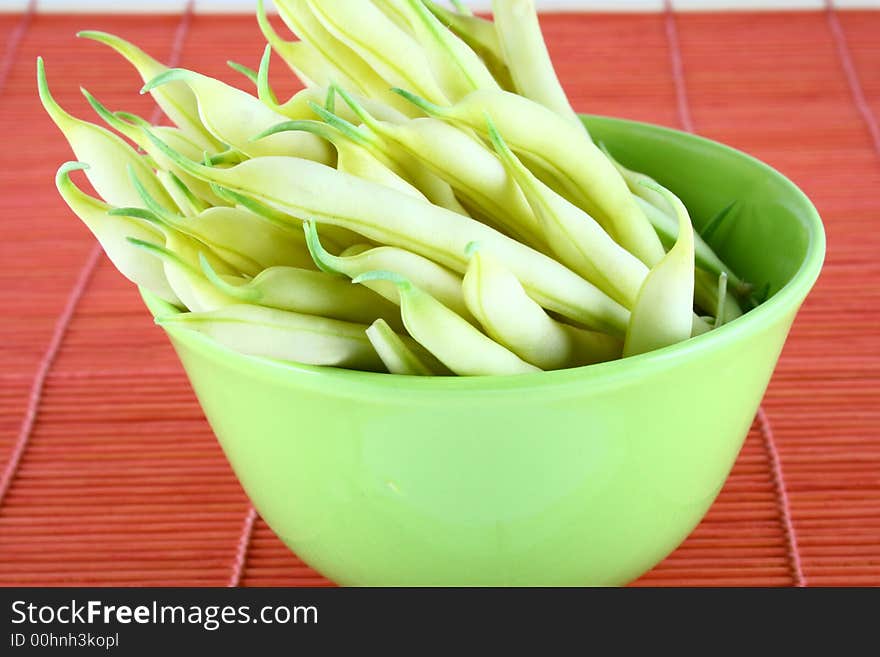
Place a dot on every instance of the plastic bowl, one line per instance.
(586, 476)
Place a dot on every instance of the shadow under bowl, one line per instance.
(586, 476)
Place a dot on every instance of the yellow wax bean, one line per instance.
(131, 126)
(390, 51)
(481, 36)
(233, 116)
(188, 283)
(433, 187)
(435, 279)
(338, 238)
(302, 57)
(176, 100)
(511, 318)
(555, 145)
(574, 236)
(397, 356)
(395, 10)
(112, 233)
(657, 211)
(297, 107)
(106, 154)
(311, 191)
(639, 184)
(247, 242)
(186, 202)
(306, 291)
(667, 229)
(663, 313)
(354, 249)
(357, 74)
(352, 156)
(282, 335)
(519, 33)
(473, 171)
(457, 68)
(449, 337)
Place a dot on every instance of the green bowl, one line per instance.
(586, 476)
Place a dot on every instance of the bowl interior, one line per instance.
(773, 230)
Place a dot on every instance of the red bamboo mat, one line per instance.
(111, 475)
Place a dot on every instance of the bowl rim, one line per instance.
(345, 381)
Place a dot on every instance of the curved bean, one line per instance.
(188, 283)
(107, 154)
(111, 233)
(302, 57)
(282, 335)
(519, 33)
(449, 337)
(397, 356)
(473, 172)
(233, 115)
(656, 209)
(391, 52)
(511, 318)
(350, 68)
(351, 156)
(574, 236)
(246, 241)
(667, 229)
(306, 291)
(433, 187)
(187, 203)
(131, 126)
(457, 69)
(435, 279)
(311, 191)
(297, 107)
(338, 237)
(176, 100)
(566, 152)
(663, 314)
(481, 36)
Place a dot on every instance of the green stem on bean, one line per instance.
(352, 156)
(112, 233)
(106, 153)
(473, 172)
(435, 279)
(233, 115)
(308, 190)
(188, 283)
(564, 152)
(246, 71)
(574, 236)
(306, 291)
(177, 102)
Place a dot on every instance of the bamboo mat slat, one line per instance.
(120, 480)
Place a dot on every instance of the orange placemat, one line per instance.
(111, 475)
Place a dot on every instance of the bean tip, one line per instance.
(471, 248)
